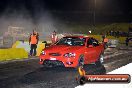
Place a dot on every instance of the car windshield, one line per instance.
(71, 41)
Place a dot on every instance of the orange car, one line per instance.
(73, 51)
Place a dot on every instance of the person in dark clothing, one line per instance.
(33, 41)
(127, 41)
(117, 34)
(103, 36)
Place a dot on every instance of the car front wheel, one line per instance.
(80, 61)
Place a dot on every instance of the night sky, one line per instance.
(46, 14)
(34, 7)
(64, 4)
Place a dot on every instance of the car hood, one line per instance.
(62, 48)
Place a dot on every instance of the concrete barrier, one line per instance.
(25, 45)
(12, 53)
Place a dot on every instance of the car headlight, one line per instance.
(43, 53)
(69, 55)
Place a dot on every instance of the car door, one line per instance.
(89, 52)
(97, 49)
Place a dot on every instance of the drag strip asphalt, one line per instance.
(29, 74)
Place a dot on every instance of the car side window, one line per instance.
(89, 42)
(95, 42)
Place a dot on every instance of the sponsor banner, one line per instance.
(108, 78)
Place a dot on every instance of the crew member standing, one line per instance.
(33, 41)
(105, 42)
(54, 37)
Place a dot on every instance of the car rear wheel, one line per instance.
(100, 60)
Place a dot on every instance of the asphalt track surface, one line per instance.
(29, 74)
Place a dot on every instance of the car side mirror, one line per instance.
(90, 46)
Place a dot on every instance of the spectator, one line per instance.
(117, 34)
(127, 41)
(103, 36)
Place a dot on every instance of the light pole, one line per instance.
(94, 14)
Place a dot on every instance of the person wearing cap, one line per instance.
(33, 41)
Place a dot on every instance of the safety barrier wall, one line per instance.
(99, 37)
(25, 45)
(12, 53)
(21, 49)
